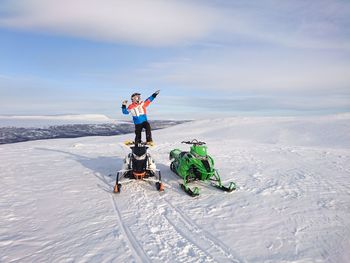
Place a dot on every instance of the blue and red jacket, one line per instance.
(138, 110)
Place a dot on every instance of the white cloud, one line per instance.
(143, 22)
(233, 77)
(321, 24)
(307, 24)
(246, 71)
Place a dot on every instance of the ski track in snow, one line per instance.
(292, 204)
(175, 230)
(208, 240)
(137, 251)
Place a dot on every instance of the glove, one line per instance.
(124, 103)
(155, 93)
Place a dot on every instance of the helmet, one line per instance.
(135, 94)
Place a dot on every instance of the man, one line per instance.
(138, 111)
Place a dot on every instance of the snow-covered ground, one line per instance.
(292, 205)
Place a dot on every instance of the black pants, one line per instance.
(138, 131)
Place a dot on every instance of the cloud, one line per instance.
(320, 24)
(151, 22)
(215, 106)
(252, 78)
(249, 71)
(279, 102)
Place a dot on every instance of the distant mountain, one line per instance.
(49, 120)
(21, 134)
(97, 117)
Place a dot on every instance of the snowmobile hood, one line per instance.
(200, 150)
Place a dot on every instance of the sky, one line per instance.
(209, 58)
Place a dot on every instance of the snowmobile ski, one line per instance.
(231, 187)
(189, 191)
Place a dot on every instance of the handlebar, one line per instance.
(194, 142)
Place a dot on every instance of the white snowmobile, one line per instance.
(138, 165)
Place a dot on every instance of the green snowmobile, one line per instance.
(196, 165)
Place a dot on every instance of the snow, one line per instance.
(292, 205)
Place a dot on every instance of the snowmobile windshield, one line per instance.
(199, 150)
(139, 151)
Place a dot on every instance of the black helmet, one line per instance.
(135, 94)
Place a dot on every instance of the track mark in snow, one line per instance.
(157, 233)
(137, 251)
(162, 239)
(200, 237)
(190, 239)
(166, 232)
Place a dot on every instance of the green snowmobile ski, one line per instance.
(196, 165)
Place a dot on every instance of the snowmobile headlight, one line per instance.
(142, 157)
(200, 157)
